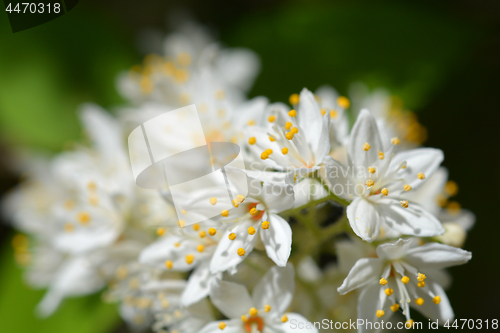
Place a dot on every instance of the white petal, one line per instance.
(276, 289)
(364, 272)
(396, 250)
(278, 197)
(436, 255)
(339, 177)
(365, 130)
(442, 311)
(364, 219)
(296, 323)
(277, 239)
(368, 304)
(232, 299)
(323, 146)
(309, 118)
(198, 284)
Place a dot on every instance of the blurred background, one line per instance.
(440, 58)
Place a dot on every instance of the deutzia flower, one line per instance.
(374, 180)
(265, 311)
(404, 275)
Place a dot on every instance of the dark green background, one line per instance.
(441, 59)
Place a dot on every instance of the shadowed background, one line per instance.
(441, 59)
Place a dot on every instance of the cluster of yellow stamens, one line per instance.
(366, 146)
(404, 203)
(265, 154)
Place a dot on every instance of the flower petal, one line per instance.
(232, 326)
(296, 323)
(309, 118)
(368, 304)
(276, 289)
(277, 239)
(395, 250)
(337, 174)
(198, 284)
(278, 197)
(442, 311)
(364, 272)
(232, 299)
(436, 255)
(365, 130)
(364, 219)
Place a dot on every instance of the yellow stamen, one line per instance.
(91, 186)
(202, 234)
(395, 141)
(244, 318)
(407, 187)
(294, 99)
(369, 183)
(366, 146)
(289, 135)
(383, 281)
(177, 244)
(267, 308)
(265, 225)
(395, 307)
(222, 325)
(272, 139)
(409, 323)
(241, 252)
(200, 248)
(404, 203)
(421, 175)
(269, 151)
(333, 114)
(323, 112)
(436, 299)
(421, 277)
(169, 264)
(380, 155)
(83, 218)
(384, 191)
(292, 113)
(236, 204)
(189, 259)
(419, 301)
(284, 319)
(213, 201)
(219, 94)
(284, 151)
(451, 188)
(196, 227)
(212, 231)
(160, 231)
(69, 227)
(405, 279)
(421, 284)
(380, 313)
(225, 213)
(232, 236)
(253, 211)
(252, 140)
(294, 130)
(288, 125)
(240, 198)
(389, 291)
(271, 119)
(251, 231)
(264, 155)
(181, 223)
(253, 312)
(371, 169)
(251, 122)
(343, 102)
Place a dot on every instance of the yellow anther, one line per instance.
(284, 151)
(251, 122)
(69, 204)
(289, 135)
(294, 99)
(269, 151)
(389, 291)
(421, 284)
(451, 188)
(453, 207)
(225, 213)
(253, 312)
(407, 187)
(240, 198)
(421, 277)
(333, 114)
(264, 155)
(183, 211)
(272, 139)
(421, 175)
(244, 318)
(404, 203)
(69, 227)
(265, 225)
(196, 227)
(181, 223)
(222, 325)
(213, 201)
(169, 264)
(267, 308)
(232, 236)
(419, 301)
(384, 191)
(369, 183)
(189, 259)
(241, 252)
(395, 141)
(371, 169)
(202, 234)
(436, 299)
(83, 218)
(292, 113)
(395, 307)
(212, 231)
(284, 319)
(121, 272)
(253, 211)
(380, 313)
(236, 203)
(91, 186)
(343, 102)
(323, 112)
(271, 118)
(220, 94)
(252, 140)
(409, 323)
(383, 281)
(94, 200)
(380, 155)
(288, 125)
(177, 244)
(160, 231)
(251, 231)
(405, 279)
(366, 146)
(200, 248)
(294, 130)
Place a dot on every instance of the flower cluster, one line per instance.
(368, 194)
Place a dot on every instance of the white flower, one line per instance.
(404, 275)
(265, 311)
(374, 180)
